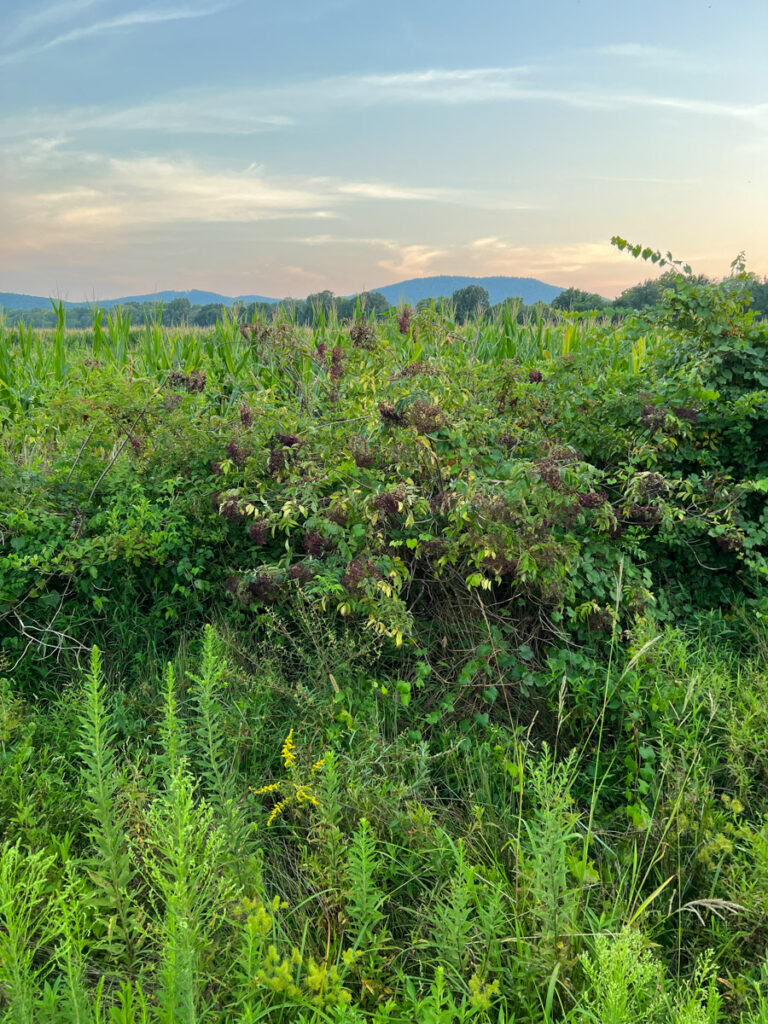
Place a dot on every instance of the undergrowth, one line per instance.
(387, 671)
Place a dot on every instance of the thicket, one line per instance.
(401, 670)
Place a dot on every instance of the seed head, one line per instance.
(237, 454)
(276, 461)
(288, 440)
(592, 499)
(336, 371)
(300, 573)
(259, 531)
(364, 456)
(362, 334)
(426, 417)
(230, 510)
(263, 589)
(358, 571)
(390, 416)
(315, 544)
(688, 414)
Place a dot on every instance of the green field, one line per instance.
(386, 670)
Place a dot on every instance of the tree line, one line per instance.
(472, 301)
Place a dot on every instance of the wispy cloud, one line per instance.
(247, 110)
(34, 22)
(191, 114)
(640, 52)
(477, 198)
(643, 180)
(131, 19)
(413, 260)
(107, 194)
(500, 255)
(343, 240)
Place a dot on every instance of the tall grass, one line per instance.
(465, 896)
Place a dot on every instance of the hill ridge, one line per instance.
(499, 287)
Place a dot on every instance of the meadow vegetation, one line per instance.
(389, 669)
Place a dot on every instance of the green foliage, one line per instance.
(574, 300)
(434, 665)
(471, 301)
(110, 869)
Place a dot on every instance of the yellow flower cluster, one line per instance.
(277, 810)
(322, 984)
(294, 790)
(481, 993)
(288, 753)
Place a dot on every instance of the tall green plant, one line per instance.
(28, 924)
(109, 865)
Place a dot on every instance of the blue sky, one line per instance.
(282, 148)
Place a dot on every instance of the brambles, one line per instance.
(440, 573)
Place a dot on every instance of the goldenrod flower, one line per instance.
(288, 752)
(277, 810)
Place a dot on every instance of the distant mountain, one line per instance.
(12, 300)
(196, 298)
(499, 288)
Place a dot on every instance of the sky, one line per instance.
(252, 147)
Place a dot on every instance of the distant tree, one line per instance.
(345, 308)
(176, 312)
(320, 301)
(574, 300)
(640, 296)
(206, 316)
(759, 291)
(374, 302)
(470, 301)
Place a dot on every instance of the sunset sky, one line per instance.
(283, 148)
